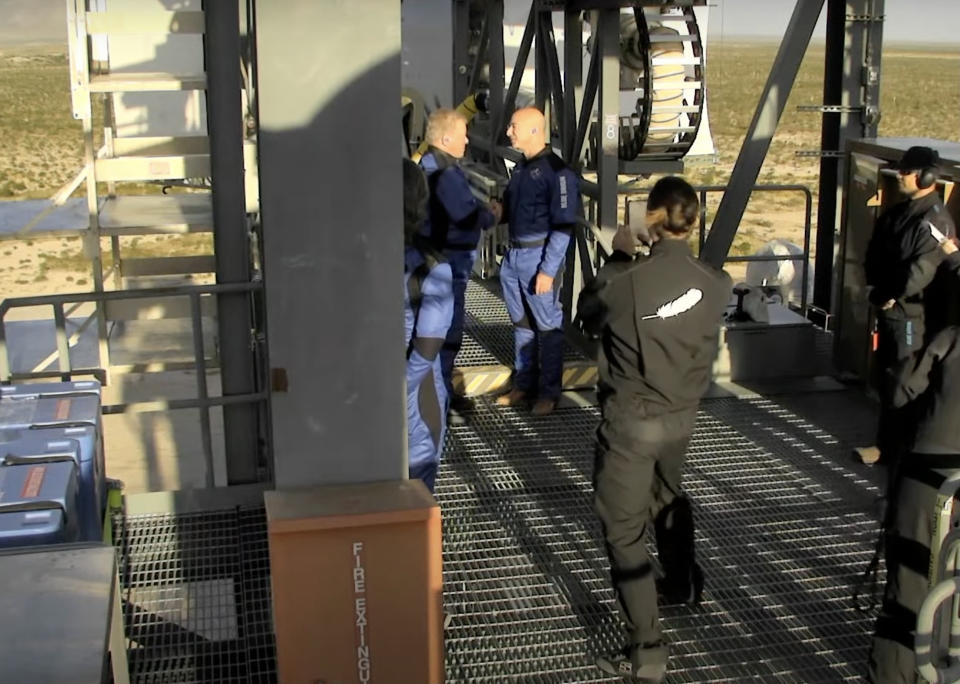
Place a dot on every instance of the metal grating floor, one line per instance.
(196, 597)
(785, 526)
(488, 332)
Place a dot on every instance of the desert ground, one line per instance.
(43, 145)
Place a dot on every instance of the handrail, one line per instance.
(203, 401)
(117, 295)
(804, 257)
(703, 190)
(58, 199)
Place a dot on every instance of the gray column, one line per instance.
(432, 49)
(330, 193)
(231, 241)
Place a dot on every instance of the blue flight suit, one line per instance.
(455, 220)
(428, 308)
(541, 205)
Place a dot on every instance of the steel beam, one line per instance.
(541, 79)
(607, 48)
(850, 83)
(551, 63)
(231, 239)
(830, 134)
(495, 102)
(871, 70)
(783, 73)
(586, 106)
(482, 50)
(572, 81)
(523, 53)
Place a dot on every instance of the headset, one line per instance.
(927, 176)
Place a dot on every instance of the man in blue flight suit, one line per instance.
(541, 205)
(428, 309)
(455, 220)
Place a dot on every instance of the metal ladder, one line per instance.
(147, 66)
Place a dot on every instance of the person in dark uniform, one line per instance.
(541, 206)
(428, 310)
(658, 319)
(901, 268)
(930, 383)
(454, 223)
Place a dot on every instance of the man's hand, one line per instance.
(949, 247)
(887, 305)
(625, 241)
(543, 284)
(497, 210)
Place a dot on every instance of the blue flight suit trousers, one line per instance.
(426, 320)
(461, 263)
(538, 324)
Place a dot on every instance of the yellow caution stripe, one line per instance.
(478, 380)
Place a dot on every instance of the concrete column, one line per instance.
(330, 194)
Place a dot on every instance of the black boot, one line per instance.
(688, 590)
(460, 402)
(683, 581)
(644, 665)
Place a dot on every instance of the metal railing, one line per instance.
(804, 257)
(703, 191)
(203, 401)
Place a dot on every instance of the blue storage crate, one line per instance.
(51, 389)
(38, 504)
(24, 411)
(76, 444)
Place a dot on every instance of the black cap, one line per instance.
(918, 157)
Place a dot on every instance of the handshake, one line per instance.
(486, 187)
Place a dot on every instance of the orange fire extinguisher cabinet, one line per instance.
(356, 573)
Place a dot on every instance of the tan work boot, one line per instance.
(511, 398)
(867, 455)
(544, 407)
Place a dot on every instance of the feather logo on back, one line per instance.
(937, 235)
(681, 304)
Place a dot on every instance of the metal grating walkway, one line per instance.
(785, 525)
(784, 530)
(196, 597)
